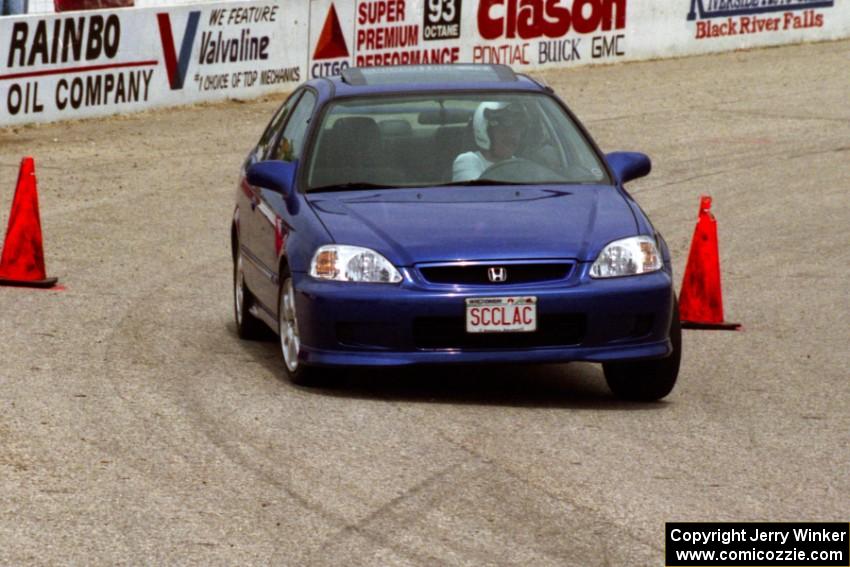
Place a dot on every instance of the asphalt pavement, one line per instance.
(135, 428)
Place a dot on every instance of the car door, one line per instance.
(250, 220)
(271, 215)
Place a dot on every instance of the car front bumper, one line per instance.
(582, 319)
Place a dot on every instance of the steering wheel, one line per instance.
(521, 170)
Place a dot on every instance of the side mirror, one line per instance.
(275, 175)
(629, 165)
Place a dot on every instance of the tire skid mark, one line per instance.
(116, 353)
(362, 525)
(205, 423)
(772, 116)
(555, 497)
(258, 465)
(343, 525)
(263, 470)
(746, 165)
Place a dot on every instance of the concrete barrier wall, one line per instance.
(82, 64)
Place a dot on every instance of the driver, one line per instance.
(498, 129)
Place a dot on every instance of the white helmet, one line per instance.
(486, 114)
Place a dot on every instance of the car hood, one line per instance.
(437, 224)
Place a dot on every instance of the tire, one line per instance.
(247, 326)
(290, 340)
(648, 380)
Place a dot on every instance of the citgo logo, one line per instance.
(177, 67)
(330, 45)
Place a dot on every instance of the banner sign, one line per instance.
(520, 33)
(526, 34)
(716, 19)
(370, 33)
(81, 64)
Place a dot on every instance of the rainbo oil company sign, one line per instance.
(67, 63)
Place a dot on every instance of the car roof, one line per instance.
(401, 79)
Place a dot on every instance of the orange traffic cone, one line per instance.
(22, 263)
(701, 300)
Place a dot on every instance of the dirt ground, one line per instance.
(135, 428)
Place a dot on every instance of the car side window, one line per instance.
(275, 125)
(291, 142)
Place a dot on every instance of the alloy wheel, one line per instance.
(290, 342)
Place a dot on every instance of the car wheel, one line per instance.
(247, 326)
(290, 338)
(648, 380)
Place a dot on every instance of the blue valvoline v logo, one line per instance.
(177, 67)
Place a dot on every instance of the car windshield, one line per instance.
(459, 139)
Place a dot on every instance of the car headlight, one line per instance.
(627, 257)
(342, 263)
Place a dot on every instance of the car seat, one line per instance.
(351, 152)
(450, 142)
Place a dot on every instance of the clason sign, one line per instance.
(537, 34)
(81, 64)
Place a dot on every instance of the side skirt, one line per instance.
(265, 315)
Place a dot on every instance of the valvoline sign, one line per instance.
(235, 35)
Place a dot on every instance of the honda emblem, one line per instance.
(497, 275)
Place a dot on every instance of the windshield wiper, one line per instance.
(473, 182)
(350, 186)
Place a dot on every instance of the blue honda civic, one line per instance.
(449, 214)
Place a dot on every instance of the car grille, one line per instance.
(516, 273)
(450, 332)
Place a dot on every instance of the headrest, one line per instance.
(360, 126)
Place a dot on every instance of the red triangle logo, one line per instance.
(331, 42)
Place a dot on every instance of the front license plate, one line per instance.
(501, 314)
